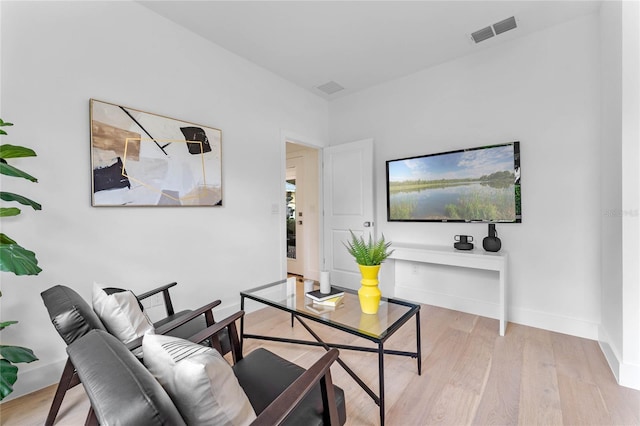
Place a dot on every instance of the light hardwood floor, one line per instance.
(470, 376)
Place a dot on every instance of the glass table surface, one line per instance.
(347, 316)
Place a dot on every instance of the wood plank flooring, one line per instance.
(470, 376)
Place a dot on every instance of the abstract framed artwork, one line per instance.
(144, 159)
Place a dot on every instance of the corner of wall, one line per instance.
(609, 352)
(626, 374)
(630, 376)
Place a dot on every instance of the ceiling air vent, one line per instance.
(482, 35)
(506, 25)
(330, 88)
(494, 30)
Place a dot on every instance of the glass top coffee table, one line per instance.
(289, 296)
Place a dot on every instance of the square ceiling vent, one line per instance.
(330, 88)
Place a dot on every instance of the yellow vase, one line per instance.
(369, 294)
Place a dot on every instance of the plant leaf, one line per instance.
(15, 151)
(8, 376)
(9, 196)
(4, 239)
(9, 211)
(15, 258)
(368, 253)
(17, 354)
(6, 324)
(5, 123)
(9, 170)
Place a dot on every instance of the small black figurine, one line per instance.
(463, 242)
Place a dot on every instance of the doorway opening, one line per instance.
(302, 196)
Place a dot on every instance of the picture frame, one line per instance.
(144, 159)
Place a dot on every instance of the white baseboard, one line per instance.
(36, 378)
(456, 303)
(537, 319)
(626, 374)
(553, 322)
(223, 311)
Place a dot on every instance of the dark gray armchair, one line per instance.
(73, 318)
(279, 391)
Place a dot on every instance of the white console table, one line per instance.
(476, 259)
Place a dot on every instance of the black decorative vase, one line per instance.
(492, 242)
(463, 242)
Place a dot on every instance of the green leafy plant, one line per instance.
(11, 355)
(14, 258)
(368, 253)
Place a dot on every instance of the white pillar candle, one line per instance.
(308, 285)
(291, 286)
(325, 283)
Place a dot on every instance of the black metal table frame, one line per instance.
(378, 399)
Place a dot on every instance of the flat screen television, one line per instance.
(469, 185)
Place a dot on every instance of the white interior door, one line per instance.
(295, 219)
(348, 205)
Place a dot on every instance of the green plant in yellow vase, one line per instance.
(369, 255)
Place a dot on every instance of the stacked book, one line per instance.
(333, 298)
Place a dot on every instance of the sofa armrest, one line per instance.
(207, 310)
(284, 404)
(232, 332)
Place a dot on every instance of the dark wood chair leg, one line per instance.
(330, 410)
(91, 420)
(214, 340)
(68, 380)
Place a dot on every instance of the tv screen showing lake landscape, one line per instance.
(472, 185)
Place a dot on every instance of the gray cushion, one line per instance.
(121, 390)
(69, 313)
(264, 376)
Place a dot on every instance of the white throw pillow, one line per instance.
(121, 314)
(199, 381)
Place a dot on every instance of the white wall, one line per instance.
(57, 55)
(630, 371)
(542, 90)
(611, 178)
(620, 329)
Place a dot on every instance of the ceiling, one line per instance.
(358, 44)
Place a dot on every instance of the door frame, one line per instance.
(288, 136)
